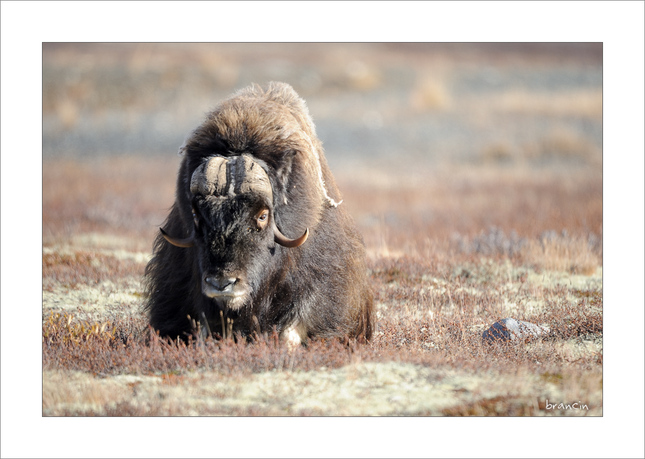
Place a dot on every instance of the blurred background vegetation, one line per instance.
(431, 143)
(389, 104)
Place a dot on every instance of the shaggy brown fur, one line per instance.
(318, 289)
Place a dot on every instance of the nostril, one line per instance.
(220, 283)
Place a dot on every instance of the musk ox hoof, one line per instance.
(513, 330)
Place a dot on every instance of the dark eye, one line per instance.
(261, 219)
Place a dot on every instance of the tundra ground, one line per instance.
(438, 285)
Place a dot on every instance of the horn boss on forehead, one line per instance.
(220, 176)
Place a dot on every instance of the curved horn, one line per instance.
(183, 243)
(285, 241)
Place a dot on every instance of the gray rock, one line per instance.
(512, 330)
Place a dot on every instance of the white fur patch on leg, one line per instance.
(294, 335)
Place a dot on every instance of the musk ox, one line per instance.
(256, 240)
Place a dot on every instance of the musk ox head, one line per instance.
(234, 229)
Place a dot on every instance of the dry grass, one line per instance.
(84, 267)
(585, 103)
(449, 254)
(455, 212)
(430, 94)
(82, 197)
